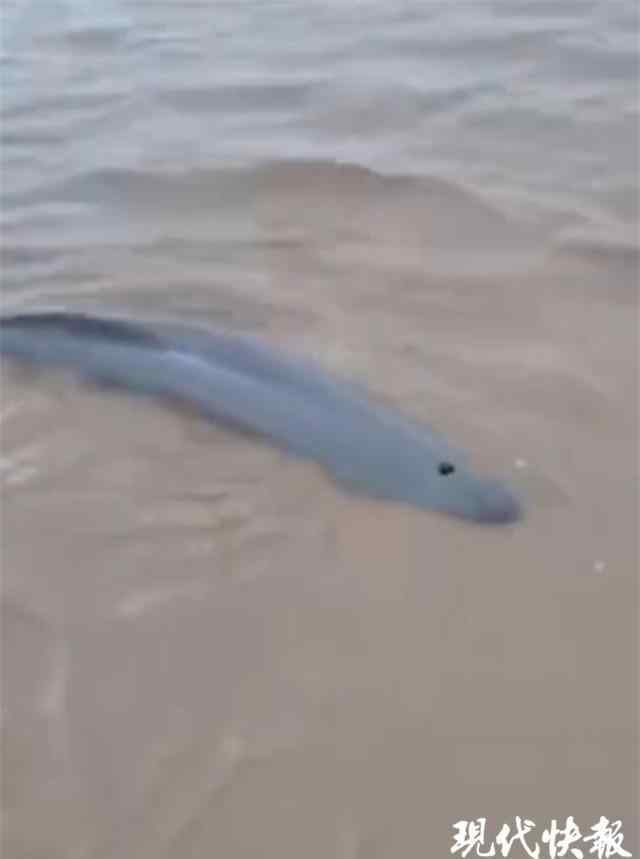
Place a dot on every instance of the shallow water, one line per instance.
(208, 650)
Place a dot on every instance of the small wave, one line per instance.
(51, 106)
(195, 187)
(338, 179)
(31, 137)
(237, 98)
(97, 37)
(605, 248)
(115, 185)
(17, 255)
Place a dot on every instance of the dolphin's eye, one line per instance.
(446, 468)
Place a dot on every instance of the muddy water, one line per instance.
(207, 649)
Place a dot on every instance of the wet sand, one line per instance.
(208, 650)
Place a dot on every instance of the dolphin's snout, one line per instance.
(497, 504)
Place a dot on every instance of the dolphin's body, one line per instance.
(236, 380)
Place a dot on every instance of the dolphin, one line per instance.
(239, 381)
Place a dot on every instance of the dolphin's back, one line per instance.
(81, 325)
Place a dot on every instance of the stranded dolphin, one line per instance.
(239, 381)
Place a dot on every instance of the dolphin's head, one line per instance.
(431, 476)
(452, 488)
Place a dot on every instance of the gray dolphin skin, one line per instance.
(239, 381)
